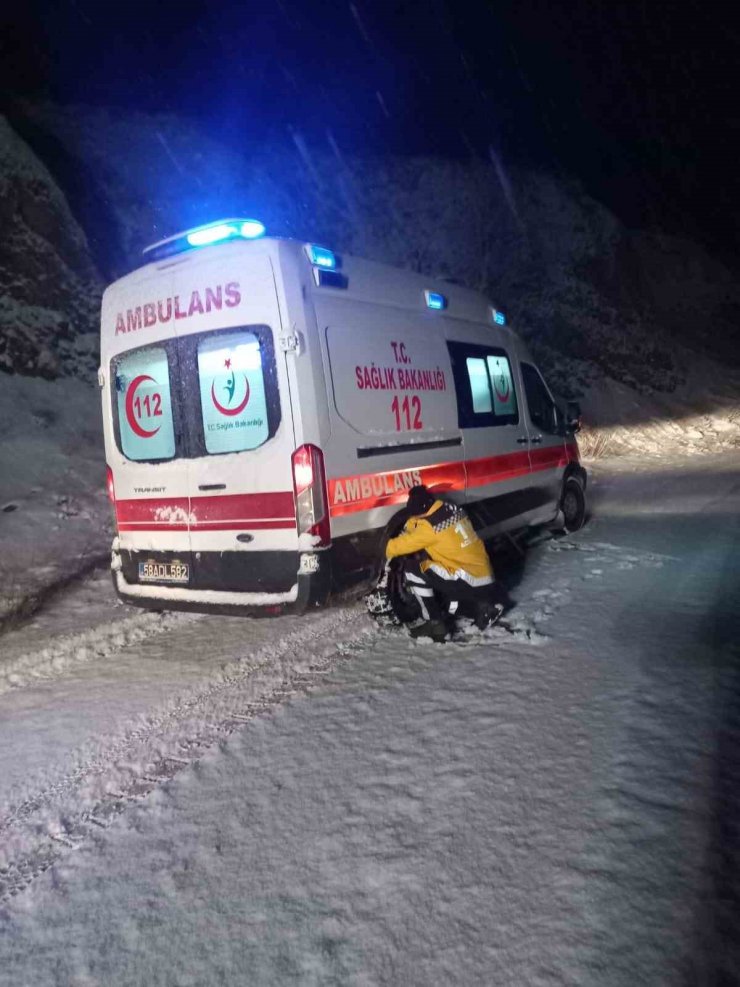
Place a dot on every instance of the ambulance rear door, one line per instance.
(145, 430)
(240, 431)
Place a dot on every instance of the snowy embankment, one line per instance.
(55, 520)
(701, 417)
(552, 804)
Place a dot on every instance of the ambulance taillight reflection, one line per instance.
(311, 500)
(110, 485)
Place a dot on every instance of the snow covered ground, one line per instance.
(200, 800)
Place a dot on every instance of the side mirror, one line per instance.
(573, 416)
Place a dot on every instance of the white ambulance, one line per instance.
(267, 405)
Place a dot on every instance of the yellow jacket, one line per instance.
(446, 534)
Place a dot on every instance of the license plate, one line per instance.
(164, 572)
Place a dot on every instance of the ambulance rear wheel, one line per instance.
(573, 505)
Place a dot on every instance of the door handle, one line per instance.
(523, 441)
(211, 486)
(536, 438)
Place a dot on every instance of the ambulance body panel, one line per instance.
(264, 420)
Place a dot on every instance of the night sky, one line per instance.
(640, 100)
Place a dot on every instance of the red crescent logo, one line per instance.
(230, 411)
(502, 396)
(130, 417)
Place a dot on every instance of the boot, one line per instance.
(487, 613)
(435, 629)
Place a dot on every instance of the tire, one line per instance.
(405, 605)
(573, 505)
(392, 603)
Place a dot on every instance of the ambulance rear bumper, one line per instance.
(275, 584)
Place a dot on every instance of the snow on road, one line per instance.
(315, 801)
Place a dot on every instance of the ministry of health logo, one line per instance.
(236, 393)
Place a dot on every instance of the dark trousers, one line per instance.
(438, 596)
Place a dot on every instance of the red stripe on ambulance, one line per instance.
(363, 492)
(549, 458)
(494, 469)
(221, 513)
(347, 495)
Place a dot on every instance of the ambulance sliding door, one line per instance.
(393, 412)
(494, 433)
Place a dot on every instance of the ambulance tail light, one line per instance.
(110, 485)
(311, 500)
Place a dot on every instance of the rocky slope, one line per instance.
(632, 322)
(49, 285)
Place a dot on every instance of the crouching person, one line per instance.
(457, 567)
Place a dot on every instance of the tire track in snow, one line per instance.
(95, 643)
(61, 816)
(34, 600)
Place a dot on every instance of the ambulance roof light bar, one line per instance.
(220, 231)
(498, 317)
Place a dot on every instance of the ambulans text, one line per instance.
(199, 302)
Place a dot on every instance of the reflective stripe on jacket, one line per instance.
(447, 535)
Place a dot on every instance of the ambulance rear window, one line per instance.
(232, 392)
(144, 405)
(201, 394)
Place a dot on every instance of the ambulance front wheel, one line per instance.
(573, 505)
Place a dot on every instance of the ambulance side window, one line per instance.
(542, 408)
(143, 413)
(502, 382)
(484, 386)
(480, 387)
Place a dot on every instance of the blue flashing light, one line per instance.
(211, 234)
(321, 257)
(248, 229)
(498, 317)
(435, 300)
(252, 229)
(221, 231)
